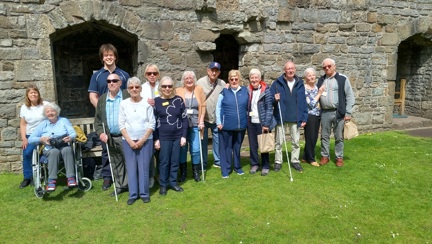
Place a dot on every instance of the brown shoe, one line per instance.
(339, 162)
(324, 160)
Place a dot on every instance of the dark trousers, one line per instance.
(253, 130)
(118, 162)
(229, 148)
(169, 157)
(106, 170)
(311, 131)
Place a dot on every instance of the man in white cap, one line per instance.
(212, 86)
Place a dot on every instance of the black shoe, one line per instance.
(277, 167)
(196, 173)
(163, 191)
(176, 188)
(25, 183)
(183, 172)
(297, 167)
(131, 201)
(119, 191)
(106, 184)
(145, 199)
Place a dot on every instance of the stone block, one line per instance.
(132, 3)
(9, 134)
(6, 75)
(29, 70)
(131, 22)
(205, 46)
(248, 37)
(363, 27)
(8, 111)
(5, 166)
(391, 72)
(390, 39)
(6, 43)
(199, 35)
(10, 53)
(285, 14)
(71, 12)
(39, 26)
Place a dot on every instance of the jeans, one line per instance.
(215, 143)
(193, 140)
(27, 160)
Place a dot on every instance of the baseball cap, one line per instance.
(214, 65)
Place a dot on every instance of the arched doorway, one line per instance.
(227, 54)
(415, 65)
(76, 56)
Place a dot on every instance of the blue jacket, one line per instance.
(233, 109)
(265, 105)
(289, 115)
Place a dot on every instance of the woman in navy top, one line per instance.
(170, 133)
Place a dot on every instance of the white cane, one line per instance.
(201, 155)
(111, 168)
(284, 140)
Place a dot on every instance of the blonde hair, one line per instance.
(235, 72)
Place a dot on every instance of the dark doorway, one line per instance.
(76, 57)
(227, 54)
(415, 66)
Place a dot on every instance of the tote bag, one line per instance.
(350, 130)
(266, 142)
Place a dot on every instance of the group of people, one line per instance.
(154, 123)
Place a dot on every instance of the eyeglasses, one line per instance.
(234, 79)
(152, 73)
(113, 80)
(132, 87)
(326, 67)
(167, 86)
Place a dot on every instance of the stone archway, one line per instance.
(227, 54)
(415, 65)
(76, 57)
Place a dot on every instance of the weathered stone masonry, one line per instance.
(374, 42)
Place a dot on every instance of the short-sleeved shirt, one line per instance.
(98, 82)
(33, 115)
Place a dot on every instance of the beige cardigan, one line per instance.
(200, 96)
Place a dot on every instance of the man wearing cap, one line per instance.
(212, 86)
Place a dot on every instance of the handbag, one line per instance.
(266, 142)
(350, 130)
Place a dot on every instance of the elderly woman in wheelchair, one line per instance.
(56, 134)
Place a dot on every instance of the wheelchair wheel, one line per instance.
(85, 184)
(37, 175)
(39, 192)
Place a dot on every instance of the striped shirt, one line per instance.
(112, 112)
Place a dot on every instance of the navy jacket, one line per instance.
(265, 105)
(300, 113)
(234, 109)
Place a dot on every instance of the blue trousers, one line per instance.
(215, 143)
(27, 160)
(169, 157)
(193, 140)
(137, 168)
(230, 143)
(255, 129)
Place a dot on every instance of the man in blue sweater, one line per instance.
(289, 94)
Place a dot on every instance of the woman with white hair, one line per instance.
(136, 123)
(311, 129)
(194, 99)
(170, 133)
(56, 133)
(261, 120)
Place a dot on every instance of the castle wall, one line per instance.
(361, 35)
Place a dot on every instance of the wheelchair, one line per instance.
(40, 171)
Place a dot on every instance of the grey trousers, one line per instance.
(295, 144)
(53, 156)
(329, 123)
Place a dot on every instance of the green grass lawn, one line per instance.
(383, 194)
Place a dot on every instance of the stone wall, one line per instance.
(361, 35)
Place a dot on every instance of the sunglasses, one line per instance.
(167, 86)
(113, 80)
(326, 67)
(234, 79)
(152, 73)
(132, 87)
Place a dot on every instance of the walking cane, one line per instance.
(284, 140)
(111, 168)
(201, 155)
